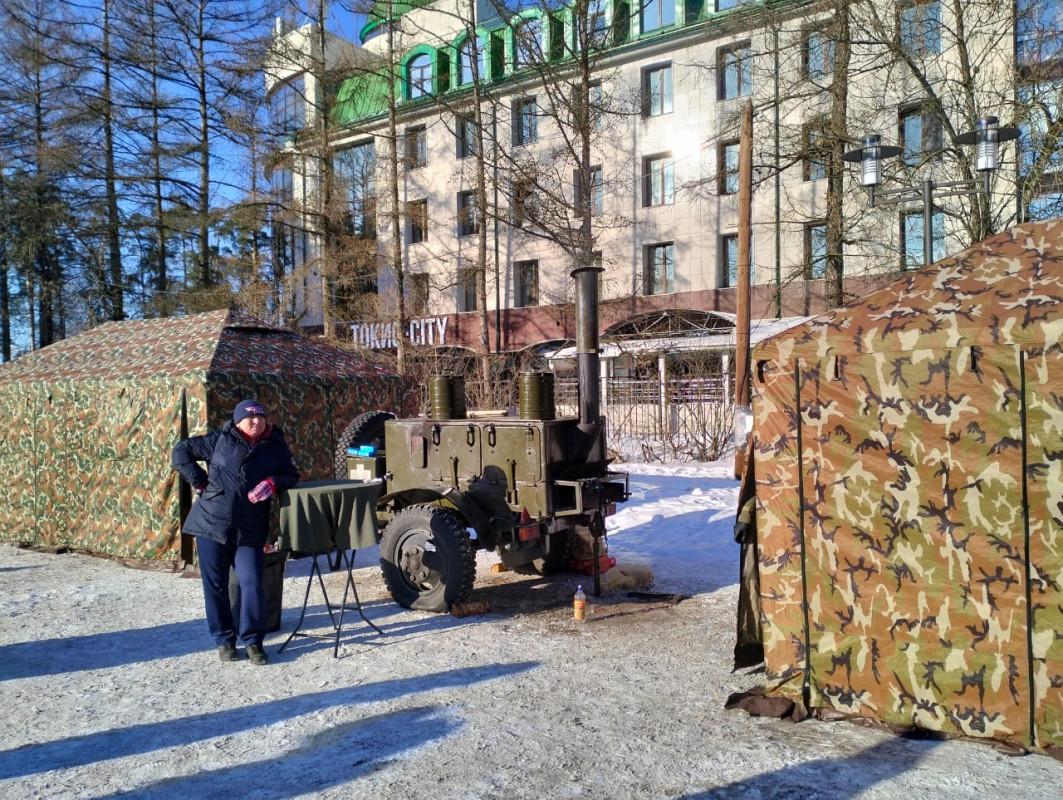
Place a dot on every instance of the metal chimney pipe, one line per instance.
(587, 360)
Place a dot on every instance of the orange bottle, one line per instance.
(579, 605)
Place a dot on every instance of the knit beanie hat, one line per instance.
(248, 408)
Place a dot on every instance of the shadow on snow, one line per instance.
(329, 758)
(76, 751)
(827, 778)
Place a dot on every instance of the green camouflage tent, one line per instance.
(908, 456)
(89, 422)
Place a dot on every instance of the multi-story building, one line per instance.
(666, 83)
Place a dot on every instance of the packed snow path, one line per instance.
(109, 687)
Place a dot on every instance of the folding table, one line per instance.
(320, 518)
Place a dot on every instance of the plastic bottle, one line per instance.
(579, 604)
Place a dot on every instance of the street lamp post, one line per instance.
(986, 137)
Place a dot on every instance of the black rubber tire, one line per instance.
(367, 428)
(422, 578)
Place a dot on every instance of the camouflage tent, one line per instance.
(89, 422)
(909, 497)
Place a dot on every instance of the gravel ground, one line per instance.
(109, 688)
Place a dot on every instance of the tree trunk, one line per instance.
(115, 282)
(835, 289)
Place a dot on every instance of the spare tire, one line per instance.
(367, 428)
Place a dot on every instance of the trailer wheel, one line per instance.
(427, 558)
(367, 428)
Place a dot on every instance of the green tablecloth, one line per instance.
(318, 516)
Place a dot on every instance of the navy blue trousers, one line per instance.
(215, 561)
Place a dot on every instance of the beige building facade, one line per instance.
(671, 81)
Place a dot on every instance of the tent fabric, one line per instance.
(909, 484)
(90, 422)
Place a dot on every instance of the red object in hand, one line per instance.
(200, 487)
(264, 491)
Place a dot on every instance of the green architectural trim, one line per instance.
(707, 19)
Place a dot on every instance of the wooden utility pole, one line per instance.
(745, 246)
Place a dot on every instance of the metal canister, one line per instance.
(446, 397)
(535, 395)
(439, 402)
(457, 397)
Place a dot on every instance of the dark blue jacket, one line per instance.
(223, 512)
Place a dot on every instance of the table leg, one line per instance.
(314, 569)
(357, 603)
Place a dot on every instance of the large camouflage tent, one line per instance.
(89, 422)
(908, 454)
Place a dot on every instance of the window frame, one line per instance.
(829, 48)
(813, 169)
(522, 136)
(522, 297)
(465, 133)
(417, 220)
(723, 272)
(936, 151)
(809, 269)
(666, 95)
(921, 50)
(418, 289)
(650, 284)
(937, 233)
(469, 283)
(744, 74)
(597, 199)
(467, 207)
(723, 175)
(662, 22)
(423, 84)
(666, 176)
(415, 146)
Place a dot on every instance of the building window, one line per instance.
(526, 283)
(659, 274)
(657, 90)
(281, 187)
(416, 147)
(817, 54)
(815, 153)
(467, 59)
(727, 168)
(1041, 150)
(525, 121)
(594, 97)
(597, 24)
(919, 27)
(468, 214)
(920, 136)
(1038, 34)
(419, 76)
(912, 238)
(287, 110)
(529, 42)
(523, 202)
(1044, 206)
(355, 169)
(416, 284)
(417, 214)
(658, 180)
(597, 197)
(728, 260)
(656, 14)
(469, 284)
(734, 67)
(726, 5)
(468, 141)
(815, 250)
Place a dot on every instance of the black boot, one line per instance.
(228, 652)
(257, 654)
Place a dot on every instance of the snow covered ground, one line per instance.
(109, 687)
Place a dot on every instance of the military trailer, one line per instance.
(529, 486)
